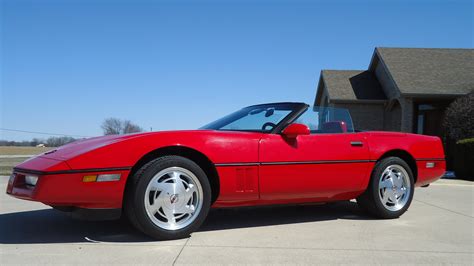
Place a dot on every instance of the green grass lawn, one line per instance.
(7, 164)
(13, 150)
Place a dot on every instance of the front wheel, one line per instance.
(390, 190)
(168, 198)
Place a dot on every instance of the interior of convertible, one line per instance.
(273, 118)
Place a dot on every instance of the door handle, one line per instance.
(357, 143)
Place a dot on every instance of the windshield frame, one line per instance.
(296, 110)
(332, 110)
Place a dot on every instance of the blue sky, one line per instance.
(68, 65)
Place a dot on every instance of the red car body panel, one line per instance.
(422, 148)
(253, 168)
(323, 166)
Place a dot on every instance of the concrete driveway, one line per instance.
(437, 229)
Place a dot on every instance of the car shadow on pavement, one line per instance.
(51, 226)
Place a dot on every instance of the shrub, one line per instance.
(466, 141)
(459, 118)
(464, 158)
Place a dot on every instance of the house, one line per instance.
(403, 89)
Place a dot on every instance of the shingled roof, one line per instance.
(352, 85)
(414, 71)
(421, 71)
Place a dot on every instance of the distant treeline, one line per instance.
(110, 126)
(49, 142)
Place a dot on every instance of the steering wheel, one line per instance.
(268, 124)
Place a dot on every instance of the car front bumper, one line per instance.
(68, 188)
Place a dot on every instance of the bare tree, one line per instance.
(129, 127)
(115, 126)
(112, 126)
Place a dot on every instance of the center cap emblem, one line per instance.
(174, 198)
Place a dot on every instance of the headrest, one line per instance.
(334, 127)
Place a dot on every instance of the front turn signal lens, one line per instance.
(89, 178)
(108, 177)
(101, 178)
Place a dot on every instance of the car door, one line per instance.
(327, 164)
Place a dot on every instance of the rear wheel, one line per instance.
(168, 198)
(390, 190)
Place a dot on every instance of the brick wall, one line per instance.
(393, 118)
(365, 116)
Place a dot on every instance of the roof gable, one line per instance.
(429, 71)
(352, 85)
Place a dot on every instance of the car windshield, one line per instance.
(266, 117)
(258, 118)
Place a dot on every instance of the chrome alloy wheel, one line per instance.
(394, 187)
(173, 198)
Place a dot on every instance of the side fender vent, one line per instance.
(246, 179)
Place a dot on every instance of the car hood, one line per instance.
(82, 146)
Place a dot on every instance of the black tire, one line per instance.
(134, 205)
(370, 200)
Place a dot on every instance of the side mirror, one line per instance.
(294, 130)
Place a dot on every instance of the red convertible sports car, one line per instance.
(279, 153)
